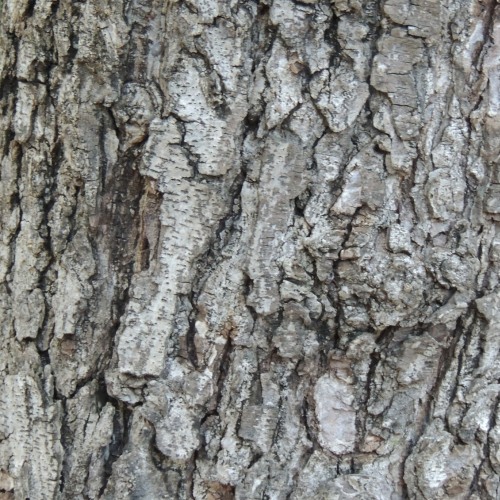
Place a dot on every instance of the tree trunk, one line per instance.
(249, 249)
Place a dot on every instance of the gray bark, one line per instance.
(249, 249)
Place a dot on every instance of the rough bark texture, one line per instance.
(249, 249)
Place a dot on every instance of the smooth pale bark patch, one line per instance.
(336, 416)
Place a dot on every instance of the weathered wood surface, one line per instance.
(249, 249)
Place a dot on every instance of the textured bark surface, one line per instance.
(249, 249)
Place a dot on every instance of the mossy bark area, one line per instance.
(249, 249)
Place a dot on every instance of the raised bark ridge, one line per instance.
(249, 249)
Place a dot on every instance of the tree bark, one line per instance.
(249, 249)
